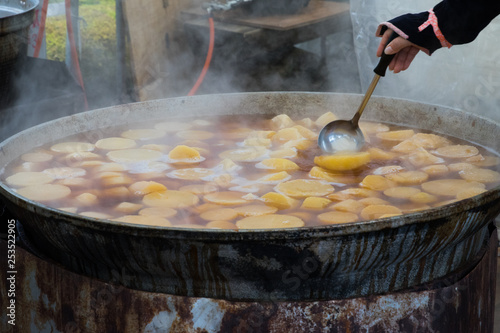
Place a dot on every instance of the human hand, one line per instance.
(404, 50)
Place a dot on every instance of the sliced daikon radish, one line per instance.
(457, 167)
(257, 142)
(182, 152)
(115, 143)
(228, 165)
(377, 183)
(281, 121)
(37, 157)
(205, 207)
(271, 221)
(385, 170)
(279, 200)
(486, 161)
(143, 134)
(255, 210)
(315, 203)
(156, 221)
(429, 141)
(436, 170)
(469, 193)
(141, 188)
(306, 122)
(408, 177)
(457, 151)
(353, 193)
(65, 172)
(90, 164)
(219, 214)
(379, 154)
(134, 155)
(373, 201)
(372, 128)
(108, 174)
(376, 211)
(275, 178)
(44, 192)
(401, 192)
(165, 212)
(200, 188)
(421, 157)
(320, 173)
(158, 147)
(325, 118)
(306, 132)
(349, 205)
(226, 198)
(74, 182)
(191, 173)
(278, 164)
(170, 199)
(27, 178)
(117, 181)
(221, 225)
(343, 161)
(77, 159)
(127, 207)
(301, 144)
(480, 175)
(72, 147)
(283, 153)
(118, 192)
(423, 198)
(396, 135)
(337, 217)
(110, 167)
(302, 188)
(247, 154)
(287, 134)
(449, 187)
(405, 147)
(28, 167)
(86, 199)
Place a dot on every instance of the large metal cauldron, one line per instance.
(16, 16)
(328, 262)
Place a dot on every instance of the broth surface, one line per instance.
(246, 172)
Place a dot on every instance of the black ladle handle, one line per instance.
(385, 59)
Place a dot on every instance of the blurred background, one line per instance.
(134, 52)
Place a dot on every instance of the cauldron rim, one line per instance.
(343, 229)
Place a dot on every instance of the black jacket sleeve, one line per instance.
(460, 21)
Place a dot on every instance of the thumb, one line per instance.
(396, 45)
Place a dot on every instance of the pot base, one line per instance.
(69, 302)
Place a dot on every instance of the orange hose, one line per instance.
(39, 37)
(74, 54)
(207, 60)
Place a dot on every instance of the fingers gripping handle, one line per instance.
(385, 59)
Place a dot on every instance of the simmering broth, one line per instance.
(248, 172)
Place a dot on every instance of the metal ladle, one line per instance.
(345, 135)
